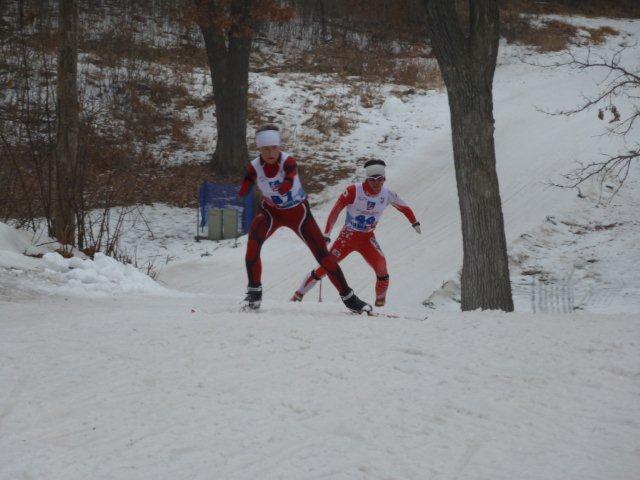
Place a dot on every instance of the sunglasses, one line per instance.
(376, 178)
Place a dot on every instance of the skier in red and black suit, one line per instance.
(285, 204)
(365, 203)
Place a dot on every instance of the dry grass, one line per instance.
(587, 8)
(320, 120)
(113, 47)
(369, 94)
(317, 175)
(418, 74)
(375, 63)
(256, 111)
(550, 35)
(410, 66)
(599, 35)
(151, 183)
(332, 116)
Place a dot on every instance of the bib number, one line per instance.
(280, 202)
(363, 223)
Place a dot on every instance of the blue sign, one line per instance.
(215, 195)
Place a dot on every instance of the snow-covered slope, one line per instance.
(533, 148)
(132, 388)
(105, 374)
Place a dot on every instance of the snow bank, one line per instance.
(29, 269)
(101, 275)
(15, 246)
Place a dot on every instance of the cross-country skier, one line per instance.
(365, 203)
(285, 205)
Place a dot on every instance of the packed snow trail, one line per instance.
(156, 387)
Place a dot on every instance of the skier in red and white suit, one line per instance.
(365, 203)
(284, 205)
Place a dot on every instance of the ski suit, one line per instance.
(364, 209)
(284, 205)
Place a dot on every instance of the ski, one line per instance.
(387, 315)
(381, 314)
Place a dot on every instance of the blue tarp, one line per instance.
(215, 195)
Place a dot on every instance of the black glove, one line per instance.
(327, 238)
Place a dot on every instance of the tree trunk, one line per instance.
(231, 97)
(485, 271)
(228, 58)
(67, 125)
(468, 63)
(323, 21)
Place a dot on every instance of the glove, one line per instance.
(416, 227)
(285, 186)
(327, 238)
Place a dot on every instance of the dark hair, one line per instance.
(375, 161)
(267, 127)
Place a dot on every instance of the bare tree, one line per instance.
(620, 82)
(228, 29)
(467, 59)
(66, 154)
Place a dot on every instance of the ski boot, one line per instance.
(253, 299)
(297, 297)
(380, 301)
(353, 303)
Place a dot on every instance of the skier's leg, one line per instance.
(261, 228)
(373, 255)
(382, 284)
(307, 284)
(308, 229)
(312, 235)
(340, 249)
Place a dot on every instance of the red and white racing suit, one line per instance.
(284, 205)
(364, 209)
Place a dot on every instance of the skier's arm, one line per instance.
(347, 197)
(248, 181)
(405, 209)
(290, 170)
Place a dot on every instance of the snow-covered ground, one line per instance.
(105, 374)
(151, 387)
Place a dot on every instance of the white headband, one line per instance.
(375, 169)
(268, 138)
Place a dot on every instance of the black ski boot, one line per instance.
(353, 303)
(253, 299)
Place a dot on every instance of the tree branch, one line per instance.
(613, 167)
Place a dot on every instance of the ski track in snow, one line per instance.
(151, 389)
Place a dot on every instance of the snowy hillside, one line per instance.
(105, 373)
(413, 136)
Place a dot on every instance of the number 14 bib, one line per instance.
(363, 214)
